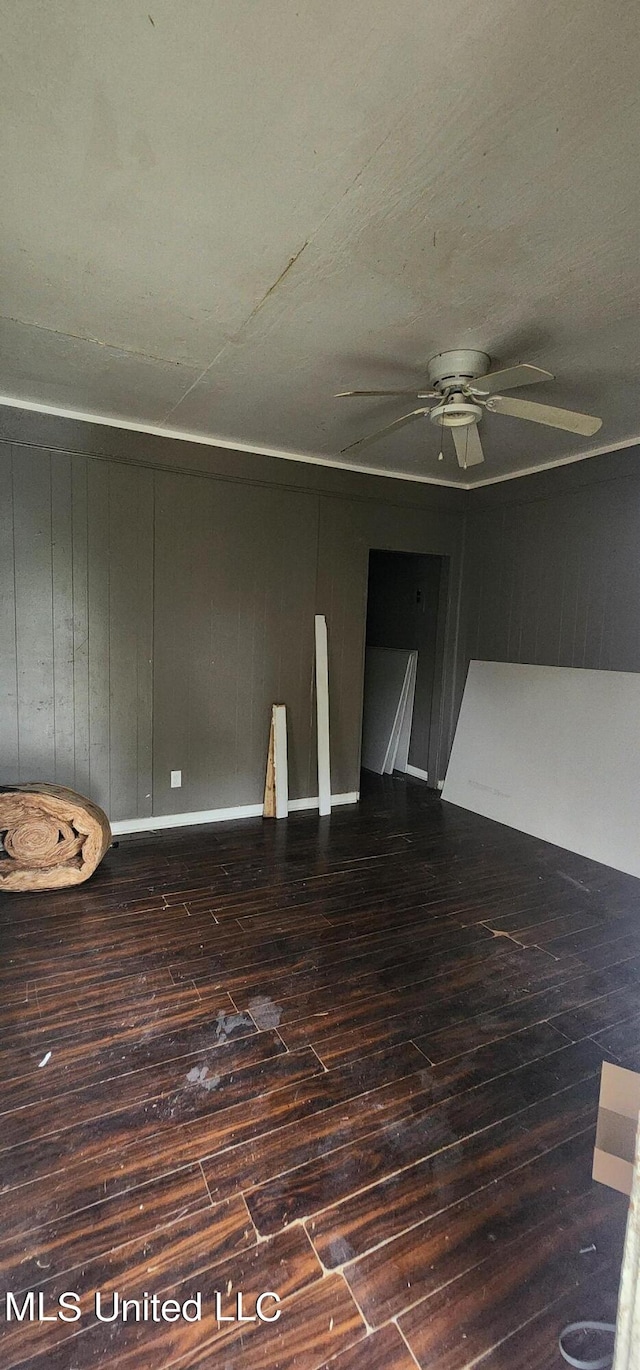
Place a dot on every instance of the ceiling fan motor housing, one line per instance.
(455, 370)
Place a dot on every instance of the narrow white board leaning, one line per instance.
(280, 763)
(322, 707)
(552, 751)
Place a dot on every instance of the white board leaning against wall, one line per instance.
(389, 689)
(552, 751)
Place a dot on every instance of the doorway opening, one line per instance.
(403, 664)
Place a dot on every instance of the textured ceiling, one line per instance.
(214, 215)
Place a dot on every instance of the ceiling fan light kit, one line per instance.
(455, 413)
(463, 387)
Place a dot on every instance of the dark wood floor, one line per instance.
(353, 1061)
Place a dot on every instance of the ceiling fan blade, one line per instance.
(567, 419)
(510, 378)
(391, 427)
(357, 394)
(468, 446)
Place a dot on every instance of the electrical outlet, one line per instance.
(176, 780)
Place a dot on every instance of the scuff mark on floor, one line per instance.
(199, 1075)
(265, 1013)
(510, 938)
(227, 1023)
(572, 881)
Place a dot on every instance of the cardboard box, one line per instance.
(618, 1114)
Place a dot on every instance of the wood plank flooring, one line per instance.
(353, 1061)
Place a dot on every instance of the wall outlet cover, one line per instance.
(176, 780)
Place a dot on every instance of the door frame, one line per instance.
(443, 694)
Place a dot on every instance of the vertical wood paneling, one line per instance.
(595, 594)
(623, 532)
(531, 570)
(234, 594)
(80, 609)
(130, 639)
(570, 594)
(228, 575)
(547, 522)
(171, 635)
(547, 604)
(8, 649)
(556, 581)
(229, 615)
(514, 594)
(62, 590)
(34, 614)
(98, 613)
(122, 643)
(78, 636)
(484, 569)
(248, 598)
(473, 587)
(144, 641)
(254, 539)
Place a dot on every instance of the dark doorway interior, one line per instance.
(404, 597)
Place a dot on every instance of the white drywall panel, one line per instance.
(401, 736)
(555, 752)
(384, 682)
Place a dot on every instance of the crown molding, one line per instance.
(284, 454)
(205, 440)
(560, 461)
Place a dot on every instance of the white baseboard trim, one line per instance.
(186, 820)
(415, 770)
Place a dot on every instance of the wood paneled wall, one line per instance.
(552, 572)
(235, 586)
(157, 597)
(76, 583)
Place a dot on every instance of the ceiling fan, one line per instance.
(463, 387)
